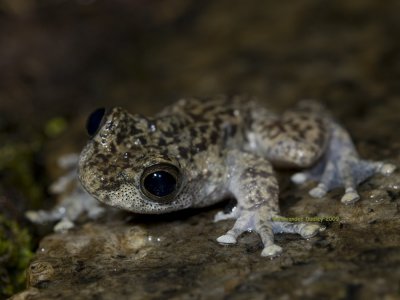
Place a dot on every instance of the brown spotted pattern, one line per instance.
(221, 146)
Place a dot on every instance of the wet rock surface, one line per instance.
(145, 54)
(177, 256)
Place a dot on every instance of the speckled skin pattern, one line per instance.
(225, 146)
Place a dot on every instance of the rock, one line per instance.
(345, 53)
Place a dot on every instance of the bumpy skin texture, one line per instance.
(225, 146)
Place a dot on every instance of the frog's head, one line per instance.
(123, 164)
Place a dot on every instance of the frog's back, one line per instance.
(221, 121)
(216, 109)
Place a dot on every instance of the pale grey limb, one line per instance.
(264, 227)
(341, 167)
(253, 183)
(71, 205)
(68, 210)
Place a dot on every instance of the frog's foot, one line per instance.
(306, 230)
(341, 167)
(266, 228)
(43, 216)
(249, 221)
(350, 196)
(68, 210)
(56, 214)
(71, 204)
(348, 173)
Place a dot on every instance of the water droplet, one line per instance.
(152, 127)
(153, 239)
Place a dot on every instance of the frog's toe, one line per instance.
(386, 169)
(300, 177)
(351, 174)
(241, 225)
(226, 239)
(319, 191)
(33, 216)
(351, 196)
(306, 230)
(42, 216)
(64, 225)
(271, 251)
(310, 230)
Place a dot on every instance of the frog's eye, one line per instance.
(94, 121)
(160, 182)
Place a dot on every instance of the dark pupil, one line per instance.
(160, 183)
(94, 121)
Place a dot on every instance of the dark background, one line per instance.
(61, 59)
(66, 57)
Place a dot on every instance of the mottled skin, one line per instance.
(225, 146)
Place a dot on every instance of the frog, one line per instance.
(197, 152)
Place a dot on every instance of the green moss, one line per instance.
(54, 127)
(15, 255)
(16, 165)
(22, 187)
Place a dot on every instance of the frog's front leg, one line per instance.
(255, 187)
(71, 204)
